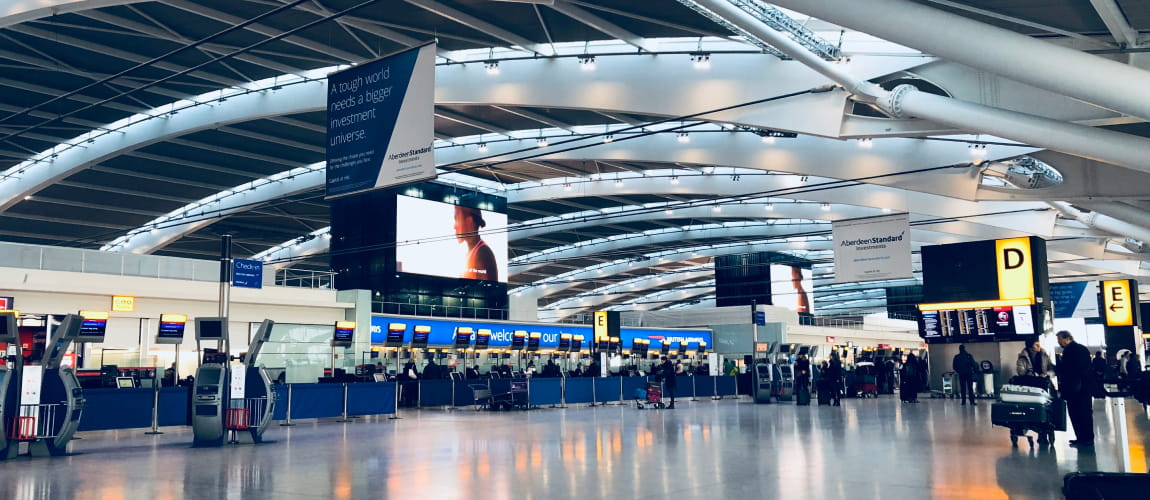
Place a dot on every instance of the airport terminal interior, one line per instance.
(574, 248)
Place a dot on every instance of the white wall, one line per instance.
(59, 292)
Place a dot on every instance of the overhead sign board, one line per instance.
(1117, 303)
(247, 273)
(1015, 270)
(380, 123)
(874, 248)
(123, 303)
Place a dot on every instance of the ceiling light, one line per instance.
(977, 150)
(587, 62)
(669, 211)
(768, 139)
(701, 60)
(826, 207)
(608, 139)
(541, 142)
(770, 207)
(566, 186)
(885, 210)
(483, 147)
(492, 67)
(684, 138)
(716, 208)
(674, 179)
(865, 143)
(29, 197)
(618, 182)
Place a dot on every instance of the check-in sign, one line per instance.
(1117, 302)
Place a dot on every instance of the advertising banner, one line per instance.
(452, 241)
(366, 147)
(874, 248)
(1076, 299)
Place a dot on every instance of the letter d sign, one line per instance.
(1015, 271)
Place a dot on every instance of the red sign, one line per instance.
(830, 340)
(7, 303)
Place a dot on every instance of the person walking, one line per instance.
(667, 371)
(965, 367)
(1075, 379)
(909, 378)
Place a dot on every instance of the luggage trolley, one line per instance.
(651, 395)
(1029, 404)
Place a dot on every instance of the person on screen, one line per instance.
(804, 301)
(481, 264)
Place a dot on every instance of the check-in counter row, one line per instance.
(132, 408)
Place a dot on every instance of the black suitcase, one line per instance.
(803, 396)
(1058, 414)
(1104, 485)
(1007, 414)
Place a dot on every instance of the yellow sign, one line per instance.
(1015, 271)
(173, 318)
(123, 303)
(601, 325)
(1116, 301)
(94, 314)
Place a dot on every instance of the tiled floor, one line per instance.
(714, 450)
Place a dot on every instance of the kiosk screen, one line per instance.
(463, 337)
(564, 342)
(210, 329)
(125, 383)
(9, 332)
(395, 333)
(518, 340)
(533, 341)
(94, 326)
(171, 328)
(482, 339)
(344, 333)
(421, 336)
(577, 343)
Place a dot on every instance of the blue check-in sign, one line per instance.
(247, 273)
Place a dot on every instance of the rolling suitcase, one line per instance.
(1007, 414)
(824, 393)
(803, 396)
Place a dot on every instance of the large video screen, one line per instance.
(451, 241)
(792, 287)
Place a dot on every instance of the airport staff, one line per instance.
(1075, 378)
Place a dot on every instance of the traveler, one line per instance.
(432, 371)
(833, 377)
(802, 373)
(1075, 380)
(667, 371)
(409, 383)
(550, 370)
(965, 367)
(1033, 361)
(909, 379)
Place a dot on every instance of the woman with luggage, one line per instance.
(909, 379)
(833, 377)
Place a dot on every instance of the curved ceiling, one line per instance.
(156, 126)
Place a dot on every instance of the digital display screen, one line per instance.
(792, 287)
(664, 347)
(518, 340)
(463, 337)
(210, 329)
(93, 328)
(209, 376)
(344, 332)
(421, 336)
(451, 241)
(564, 343)
(8, 328)
(976, 325)
(483, 339)
(172, 326)
(577, 343)
(395, 333)
(125, 383)
(533, 341)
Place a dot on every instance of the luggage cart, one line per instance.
(652, 396)
(515, 397)
(948, 386)
(480, 396)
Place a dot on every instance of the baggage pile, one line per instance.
(1029, 404)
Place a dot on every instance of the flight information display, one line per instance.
(979, 324)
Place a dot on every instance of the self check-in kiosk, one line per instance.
(210, 393)
(252, 404)
(43, 403)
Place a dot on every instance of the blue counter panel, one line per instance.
(316, 400)
(578, 390)
(608, 389)
(116, 409)
(371, 398)
(727, 385)
(545, 391)
(435, 393)
(173, 406)
(280, 411)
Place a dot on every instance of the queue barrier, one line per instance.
(107, 409)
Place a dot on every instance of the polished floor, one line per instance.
(866, 449)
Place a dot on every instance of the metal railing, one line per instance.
(300, 278)
(36, 421)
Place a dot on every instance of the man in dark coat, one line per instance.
(667, 370)
(1075, 378)
(965, 367)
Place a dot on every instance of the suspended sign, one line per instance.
(874, 248)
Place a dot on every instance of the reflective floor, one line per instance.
(713, 450)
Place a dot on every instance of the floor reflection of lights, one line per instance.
(724, 449)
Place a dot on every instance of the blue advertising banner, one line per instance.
(365, 148)
(443, 331)
(247, 273)
(1076, 299)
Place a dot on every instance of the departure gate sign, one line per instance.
(1116, 301)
